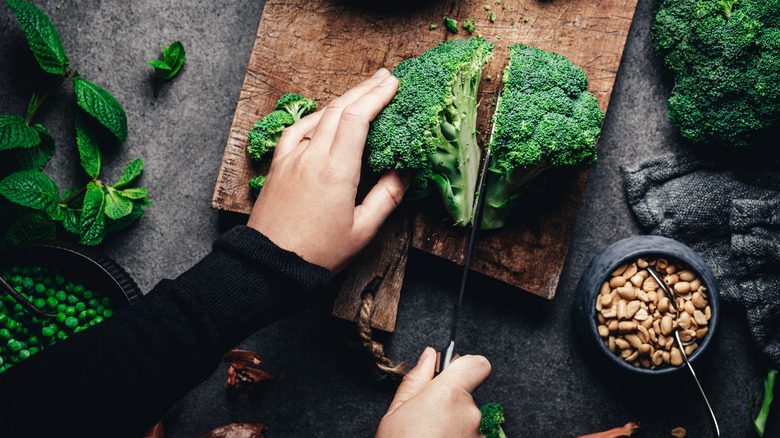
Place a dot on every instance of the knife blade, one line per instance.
(446, 356)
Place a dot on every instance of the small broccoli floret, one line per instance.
(492, 17)
(469, 25)
(492, 419)
(256, 184)
(432, 26)
(430, 125)
(544, 118)
(295, 104)
(725, 59)
(266, 132)
(451, 24)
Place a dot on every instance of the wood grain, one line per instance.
(321, 48)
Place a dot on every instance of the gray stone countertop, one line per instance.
(323, 385)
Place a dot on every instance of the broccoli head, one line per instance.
(492, 419)
(295, 104)
(725, 59)
(266, 132)
(469, 25)
(544, 118)
(256, 184)
(430, 125)
(451, 24)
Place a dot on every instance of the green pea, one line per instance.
(79, 329)
(69, 287)
(16, 280)
(48, 331)
(60, 317)
(36, 270)
(71, 322)
(96, 320)
(62, 335)
(106, 302)
(14, 345)
(3, 319)
(51, 302)
(50, 293)
(93, 303)
(18, 308)
(70, 311)
(12, 324)
(25, 270)
(91, 313)
(80, 306)
(83, 315)
(40, 303)
(61, 295)
(2, 368)
(59, 280)
(33, 340)
(28, 283)
(100, 309)
(108, 313)
(5, 334)
(88, 294)
(61, 307)
(40, 288)
(79, 288)
(47, 281)
(72, 299)
(33, 350)
(35, 321)
(24, 354)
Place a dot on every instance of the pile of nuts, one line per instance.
(637, 321)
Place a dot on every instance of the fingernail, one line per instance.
(388, 80)
(425, 354)
(382, 72)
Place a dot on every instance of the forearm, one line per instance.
(121, 376)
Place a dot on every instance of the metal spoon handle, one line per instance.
(715, 427)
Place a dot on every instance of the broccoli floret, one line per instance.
(432, 26)
(469, 25)
(725, 59)
(492, 419)
(295, 104)
(451, 24)
(266, 132)
(544, 118)
(492, 17)
(256, 184)
(430, 125)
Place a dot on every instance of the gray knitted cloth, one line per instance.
(729, 212)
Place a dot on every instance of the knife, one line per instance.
(445, 357)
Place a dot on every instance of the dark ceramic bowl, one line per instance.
(96, 271)
(626, 251)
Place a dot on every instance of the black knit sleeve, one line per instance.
(120, 377)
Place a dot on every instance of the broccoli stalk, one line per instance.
(492, 419)
(430, 125)
(544, 118)
(267, 131)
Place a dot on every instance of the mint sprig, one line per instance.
(30, 202)
(173, 59)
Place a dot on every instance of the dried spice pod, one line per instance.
(244, 370)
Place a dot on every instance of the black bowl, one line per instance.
(96, 271)
(600, 269)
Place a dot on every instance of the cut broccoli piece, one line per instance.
(725, 59)
(451, 24)
(295, 104)
(492, 419)
(266, 132)
(432, 26)
(430, 125)
(256, 184)
(544, 118)
(469, 25)
(492, 17)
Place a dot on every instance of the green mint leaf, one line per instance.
(31, 227)
(32, 189)
(117, 206)
(34, 158)
(93, 218)
(42, 36)
(131, 172)
(161, 69)
(72, 221)
(14, 133)
(112, 226)
(135, 193)
(88, 149)
(101, 105)
(174, 55)
(143, 202)
(34, 100)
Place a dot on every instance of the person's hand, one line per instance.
(431, 407)
(307, 204)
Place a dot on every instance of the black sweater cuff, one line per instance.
(247, 282)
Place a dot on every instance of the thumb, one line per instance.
(415, 380)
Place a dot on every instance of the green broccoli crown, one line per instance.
(544, 118)
(266, 132)
(725, 59)
(451, 24)
(430, 125)
(256, 184)
(492, 419)
(295, 104)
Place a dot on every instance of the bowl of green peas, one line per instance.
(56, 291)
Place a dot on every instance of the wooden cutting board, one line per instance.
(321, 48)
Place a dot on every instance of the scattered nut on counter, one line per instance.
(637, 320)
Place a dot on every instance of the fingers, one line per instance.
(326, 130)
(383, 198)
(352, 129)
(416, 379)
(292, 136)
(468, 372)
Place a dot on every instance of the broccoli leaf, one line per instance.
(14, 133)
(93, 218)
(88, 149)
(42, 36)
(131, 172)
(33, 189)
(101, 105)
